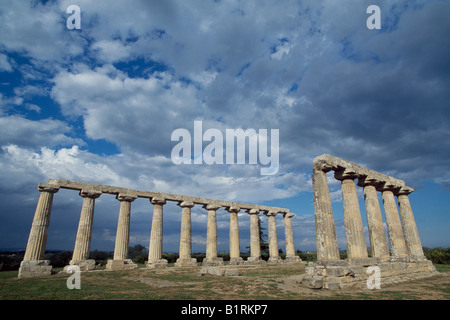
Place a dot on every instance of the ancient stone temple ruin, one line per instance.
(402, 259)
(398, 257)
(34, 264)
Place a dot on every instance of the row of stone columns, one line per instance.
(403, 236)
(212, 259)
(34, 264)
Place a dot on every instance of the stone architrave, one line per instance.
(120, 260)
(255, 244)
(377, 235)
(185, 259)
(155, 259)
(211, 258)
(274, 256)
(399, 252)
(234, 236)
(81, 251)
(326, 240)
(411, 234)
(33, 264)
(354, 232)
(289, 238)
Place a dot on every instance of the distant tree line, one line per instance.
(139, 254)
(437, 255)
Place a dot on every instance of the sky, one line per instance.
(99, 104)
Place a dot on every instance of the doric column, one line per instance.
(32, 264)
(255, 245)
(185, 259)
(81, 251)
(273, 240)
(211, 237)
(155, 259)
(327, 247)
(38, 235)
(234, 236)
(411, 234)
(354, 232)
(395, 232)
(289, 238)
(377, 236)
(121, 260)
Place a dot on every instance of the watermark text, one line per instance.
(74, 281)
(236, 151)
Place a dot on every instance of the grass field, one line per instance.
(263, 283)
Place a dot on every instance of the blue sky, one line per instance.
(99, 105)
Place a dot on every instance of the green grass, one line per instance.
(186, 284)
(442, 267)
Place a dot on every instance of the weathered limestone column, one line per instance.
(234, 236)
(411, 234)
(121, 260)
(155, 259)
(378, 241)
(255, 245)
(81, 251)
(211, 238)
(354, 232)
(185, 259)
(33, 264)
(327, 247)
(289, 238)
(274, 257)
(399, 252)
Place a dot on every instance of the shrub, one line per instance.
(438, 255)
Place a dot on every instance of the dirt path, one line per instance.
(285, 284)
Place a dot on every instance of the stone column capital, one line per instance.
(345, 174)
(253, 211)
(288, 215)
(322, 166)
(125, 197)
(368, 181)
(212, 206)
(404, 191)
(186, 204)
(46, 187)
(233, 209)
(386, 186)
(159, 201)
(93, 194)
(270, 213)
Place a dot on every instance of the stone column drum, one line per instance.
(399, 252)
(81, 251)
(255, 245)
(155, 259)
(274, 257)
(211, 258)
(377, 236)
(289, 238)
(121, 260)
(185, 259)
(33, 264)
(234, 236)
(411, 234)
(354, 232)
(327, 247)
